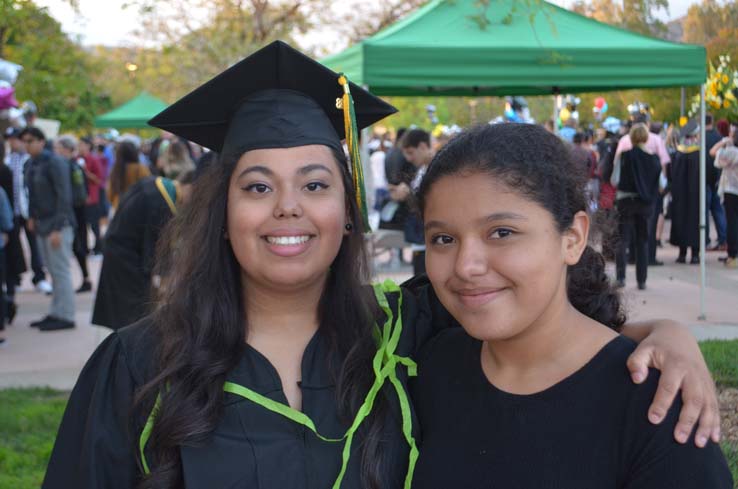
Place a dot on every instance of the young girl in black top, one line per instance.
(532, 392)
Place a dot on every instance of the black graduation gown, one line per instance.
(685, 193)
(251, 447)
(123, 291)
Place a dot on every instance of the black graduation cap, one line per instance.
(275, 98)
(691, 128)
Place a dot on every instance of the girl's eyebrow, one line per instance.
(501, 216)
(497, 216)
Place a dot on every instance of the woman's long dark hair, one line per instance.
(201, 328)
(539, 166)
(125, 153)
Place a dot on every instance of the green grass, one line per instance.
(722, 360)
(29, 419)
(731, 453)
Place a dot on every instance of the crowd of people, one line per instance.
(60, 193)
(638, 173)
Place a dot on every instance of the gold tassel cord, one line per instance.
(352, 141)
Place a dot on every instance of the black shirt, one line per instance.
(588, 431)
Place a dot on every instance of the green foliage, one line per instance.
(29, 419)
(730, 449)
(56, 71)
(634, 15)
(722, 359)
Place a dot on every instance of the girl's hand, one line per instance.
(671, 348)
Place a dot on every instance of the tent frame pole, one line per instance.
(703, 204)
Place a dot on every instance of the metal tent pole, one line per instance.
(703, 204)
(556, 105)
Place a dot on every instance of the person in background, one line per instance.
(6, 226)
(12, 263)
(106, 165)
(95, 177)
(175, 160)
(654, 145)
(127, 170)
(684, 179)
(66, 147)
(726, 158)
(17, 160)
(416, 147)
(124, 291)
(714, 207)
(605, 216)
(586, 160)
(52, 217)
(636, 177)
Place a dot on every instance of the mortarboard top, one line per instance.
(691, 128)
(275, 98)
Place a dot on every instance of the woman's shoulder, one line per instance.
(136, 344)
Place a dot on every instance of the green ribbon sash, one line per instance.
(385, 364)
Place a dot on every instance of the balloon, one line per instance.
(564, 114)
(600, 102)
(604, 108)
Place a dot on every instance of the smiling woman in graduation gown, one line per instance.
(182, 398)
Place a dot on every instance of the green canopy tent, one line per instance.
(133, 114)
(460, 47)
(535, 50)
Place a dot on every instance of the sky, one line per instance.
(106, 22)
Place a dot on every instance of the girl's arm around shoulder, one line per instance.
(670, 347)
(96, 445)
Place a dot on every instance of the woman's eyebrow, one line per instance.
(313, 167)
(257, 169)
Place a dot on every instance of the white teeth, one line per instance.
(287, 240)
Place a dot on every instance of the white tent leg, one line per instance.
(703, 204)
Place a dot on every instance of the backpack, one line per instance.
(79, 184)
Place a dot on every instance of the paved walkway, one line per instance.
(33, 358)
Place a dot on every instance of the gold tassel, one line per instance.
(352, 141)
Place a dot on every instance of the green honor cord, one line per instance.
(384, 364)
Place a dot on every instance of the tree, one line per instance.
(56, 74)
(634, 15)
(713, 25)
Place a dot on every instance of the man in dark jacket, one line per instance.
(52, 218)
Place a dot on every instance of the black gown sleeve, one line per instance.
(95, 447)
(657, 461)
(430, 317)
